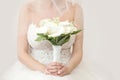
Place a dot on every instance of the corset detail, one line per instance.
(46, 57)
(43, 51)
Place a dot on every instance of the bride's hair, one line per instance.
(60, 5)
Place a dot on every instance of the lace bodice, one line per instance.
(42, 51)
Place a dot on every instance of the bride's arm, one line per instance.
(78, 45)
(22, 44)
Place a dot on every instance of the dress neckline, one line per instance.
(32, 23)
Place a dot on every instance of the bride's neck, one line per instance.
(46, 3)
(49, 2)
(39, 5)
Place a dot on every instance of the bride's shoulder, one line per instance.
(25, 11)
(77, 6)
(24, 14)
(77, 9)
(26, 8)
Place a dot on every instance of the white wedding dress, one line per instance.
(42, 52)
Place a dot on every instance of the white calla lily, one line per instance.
(64, 23)
(54, 28)
(56, 31)
(43, 30)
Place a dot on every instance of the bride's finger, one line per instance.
(59, 67)
(60, 64)
(62, 74)
(53, 63)
(47, 72)
(51, 67)
(53, 70)
(61, 71)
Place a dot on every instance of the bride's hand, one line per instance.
(53, 68)
(64, 71)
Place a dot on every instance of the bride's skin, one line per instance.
(53, 68)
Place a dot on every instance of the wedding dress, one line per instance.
(42, 52)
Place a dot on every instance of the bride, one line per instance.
(34, 59)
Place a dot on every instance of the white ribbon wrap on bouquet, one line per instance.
(56, 53)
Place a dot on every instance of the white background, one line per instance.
(101, 37)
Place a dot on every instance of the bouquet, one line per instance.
(57, 33)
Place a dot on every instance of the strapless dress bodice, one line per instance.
(42, 51)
